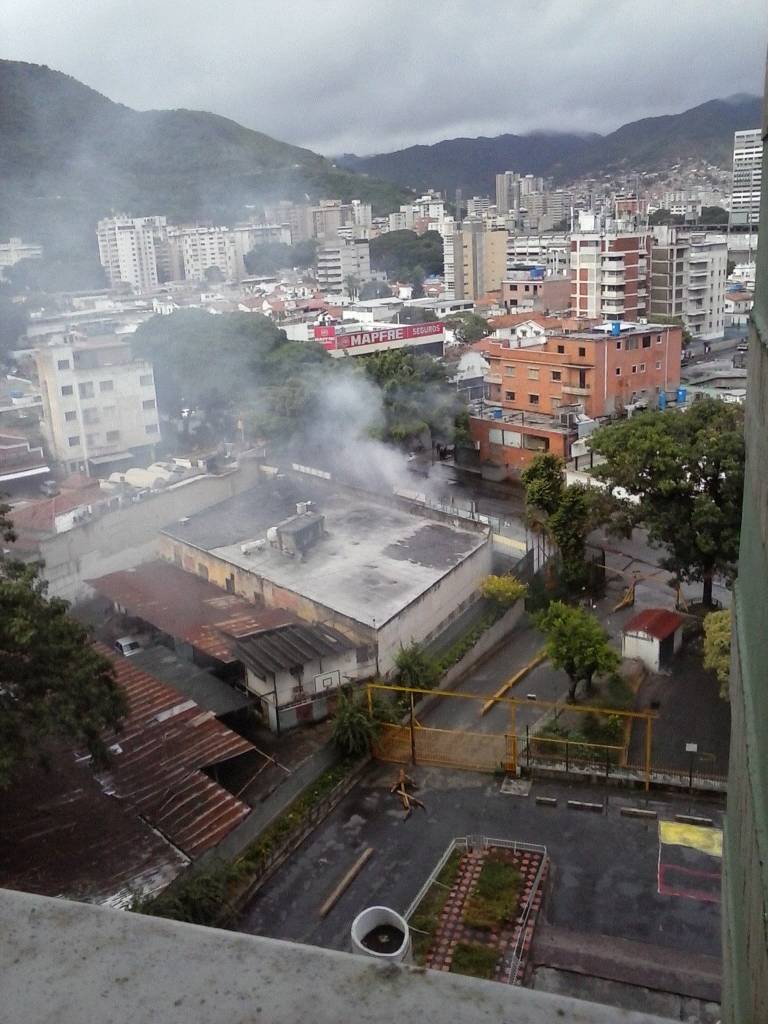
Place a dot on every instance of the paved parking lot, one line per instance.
(604, 867)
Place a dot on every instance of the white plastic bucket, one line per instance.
(380, 917)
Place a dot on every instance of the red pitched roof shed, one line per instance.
(656, 622)
(166, 740)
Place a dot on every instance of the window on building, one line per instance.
(67, 390)
(151, 428)
(618, 371)
(634, 369)
(658, 366)
(509, 370)
(557, 375)
(582, 352)
(561, 349)
(113, 435)
(509, 396)
(70, 415)
(618, 345)
(149, 404)
(145, 380)
(646, 341)
(85, 390)
(533, 399)
(533, 373)
(74, 441)
(63, 364)
(642, 367)
(107, 385)
(658, 339)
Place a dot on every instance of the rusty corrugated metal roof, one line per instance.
(656, 622)
(166, 741)
(188, 607)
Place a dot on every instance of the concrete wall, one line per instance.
(484, 647)
(643, 647)
(431, 612)
(128, 536)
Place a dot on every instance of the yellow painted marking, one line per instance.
(698, 837)
(513, 680)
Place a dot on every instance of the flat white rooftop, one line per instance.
(374, 560)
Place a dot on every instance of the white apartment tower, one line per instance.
(747, 176)
(688, 279)
(130, 249)
(336, 264)
(199, 248)
(99, 404)
(507, 193)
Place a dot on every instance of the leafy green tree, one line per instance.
(717, 647)
(213, 275)
(53, 683)
(304, 253)
(222, 366)
(675, 321)
(417, 282)
(267, 258)
(351, 285)
(504, 591)
(576, 643)
(13, 324)
(416, 668)
(663, 216)
(713, 215)
(687, 470)
(468, 327)
(417, 315)
(730, 267)
(399, 253)
(543, 481)
(58, 273)
(353, 728)
(375, 290)
(568, 527)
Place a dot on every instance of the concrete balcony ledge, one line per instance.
(74, 963)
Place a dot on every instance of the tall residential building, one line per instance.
(132, 250)
(550, 250)
(479, 259)
(688, 278)
(99, 404)
(745, 867)
(478, 206)
(747, 176)
(336, 264)
(507, 193)
(198, 248)
(609, 272)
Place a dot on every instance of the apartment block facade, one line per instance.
(99, 404)
(336, 264)
(133, 251)
(609, 273)
(542, 386)
(479, 258)
(688, 279)
(195, 249)
(747, 179)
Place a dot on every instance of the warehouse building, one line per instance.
(382, 572)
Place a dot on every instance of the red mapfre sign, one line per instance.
(403, 332)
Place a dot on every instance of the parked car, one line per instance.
(128, 645)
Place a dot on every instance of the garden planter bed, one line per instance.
(479, 909)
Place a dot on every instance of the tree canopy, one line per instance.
(576, 643)
(664, 216)
(273, 256)
(228, 366)
(53, 683)
(468, 327)
(402, 253)
(717, 647)
(687, 470)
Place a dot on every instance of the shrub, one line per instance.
(475, 960)
(504, 591)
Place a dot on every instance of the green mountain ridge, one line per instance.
(704, 132)
(69, 155)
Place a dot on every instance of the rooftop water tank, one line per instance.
(382, 934)
(616, 329)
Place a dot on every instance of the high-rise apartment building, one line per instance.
(507, 193)
(14, 250)
(479, 255)
(99, 404)
(337, 264)
(199, 248)
(133, 251)
(747, 177)
(609, 272)
(478, 206)
(688, 278)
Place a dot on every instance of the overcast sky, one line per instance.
(361, 76)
